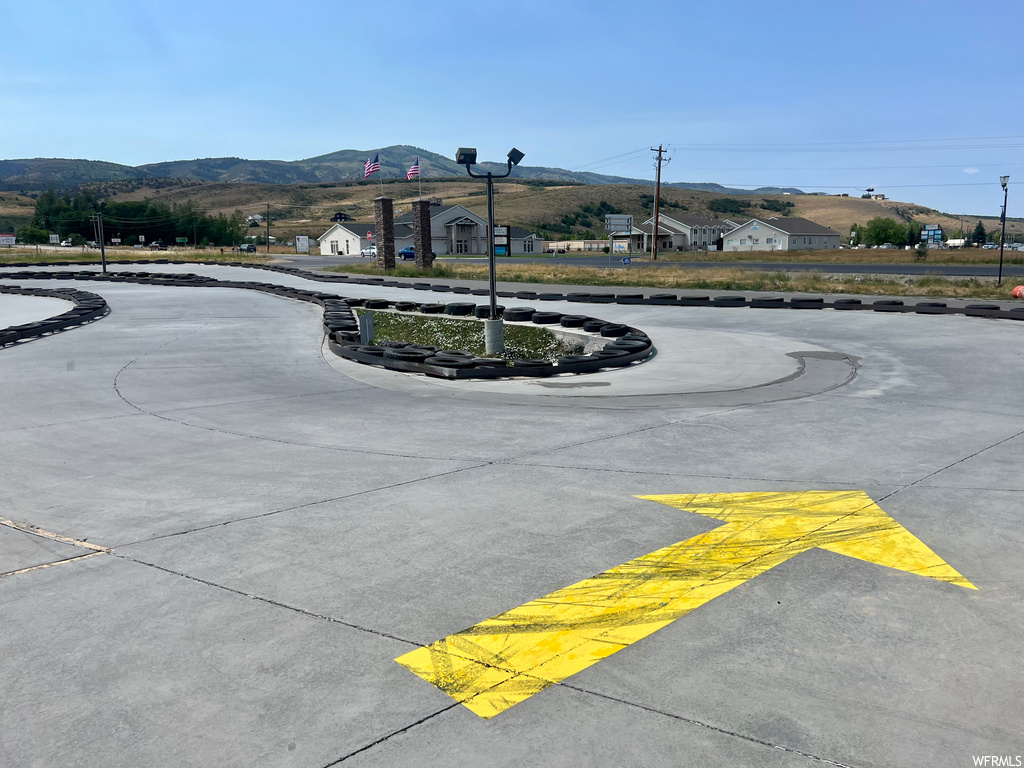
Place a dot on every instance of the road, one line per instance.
(217, 538)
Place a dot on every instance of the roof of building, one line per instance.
(519, 232)
(795, 226)
(435, 211)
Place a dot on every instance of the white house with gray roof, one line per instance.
(778, 234)
(684, 233)
(454, 229)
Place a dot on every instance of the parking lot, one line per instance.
(790, 538)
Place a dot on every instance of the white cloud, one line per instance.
(970, 170)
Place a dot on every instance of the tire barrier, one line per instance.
(88, 307)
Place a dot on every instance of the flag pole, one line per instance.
(380, 177)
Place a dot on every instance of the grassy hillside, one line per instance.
(15, 211)
(307, 208)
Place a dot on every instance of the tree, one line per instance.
(979, 234)
(855, 234)
(882, 230)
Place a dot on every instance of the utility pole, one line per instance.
(103, 246)
(268, 229)
(657, 200)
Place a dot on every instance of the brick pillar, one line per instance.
(384, 214)
(421, 239)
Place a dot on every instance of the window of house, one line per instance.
(743, 241)
(462, 246)
(528, 245)
(346, 247)
(730, 241)
(334, 246)
(768, 241)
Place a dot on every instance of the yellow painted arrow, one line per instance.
(500, 662)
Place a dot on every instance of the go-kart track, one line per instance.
(785, 538)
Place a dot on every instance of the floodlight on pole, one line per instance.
(1004, 181)
(467, 156)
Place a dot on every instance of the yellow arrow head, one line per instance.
(845, 522)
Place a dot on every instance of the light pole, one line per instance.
(494, 335)
(1004, 180)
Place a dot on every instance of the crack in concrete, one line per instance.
(308, 504)
(708, 726)
(391, 735)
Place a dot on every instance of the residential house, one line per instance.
(685, 233)
(781, 234)
(453, 230)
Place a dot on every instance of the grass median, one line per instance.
(521, 342)
(723, 279)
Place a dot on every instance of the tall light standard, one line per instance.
(1004, 180)
(494, 335)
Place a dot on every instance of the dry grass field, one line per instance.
(725, 279)
(307, 208)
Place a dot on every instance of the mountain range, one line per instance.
(345, 165)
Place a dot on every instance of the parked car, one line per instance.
(409, 253)
(370, 251)
(158, 245)
(65, 243)
(990, 246)
(247, 248)
(92, 244)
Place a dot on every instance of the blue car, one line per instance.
(409, 254)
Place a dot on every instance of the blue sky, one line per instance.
(920, 100)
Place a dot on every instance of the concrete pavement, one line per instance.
(276, 527)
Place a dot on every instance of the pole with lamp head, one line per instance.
(1004, 180)
(494, 333)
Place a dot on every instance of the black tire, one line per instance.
(441, 288)
(489, 362)
(662, 297)
(483, 311)
(550, 297)
(594, 326)
(572, 321)
(370, 349)
(376, 303)
(394, 344)
(518, 314)
(432, 309)
(614, 329)
(574, 360)
(423, 347)
(407, 355)
(460, 309)
(406, 306)
(453, 353)
(607, 354)
(449, 362)
(531, 363)
(546, 318)
(630, 345)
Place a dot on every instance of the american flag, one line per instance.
(414, 171)
(371, 166)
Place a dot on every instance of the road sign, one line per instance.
(54, 239)
(500, 231)
(6, 239)
(142, 238)
(615, 222)
(302, 243)
(626, 261)
(506, 659)
(181, 240)
(115, 241)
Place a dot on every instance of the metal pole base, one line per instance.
(494, 337)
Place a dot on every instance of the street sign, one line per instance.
(142, 238)
(6, 239)
(500, 231)
(506, 659)
(302, 243)
(54, 239)
(501, 240)
(626, 261)
(616, 222)
(181, 240)
(115, 241)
